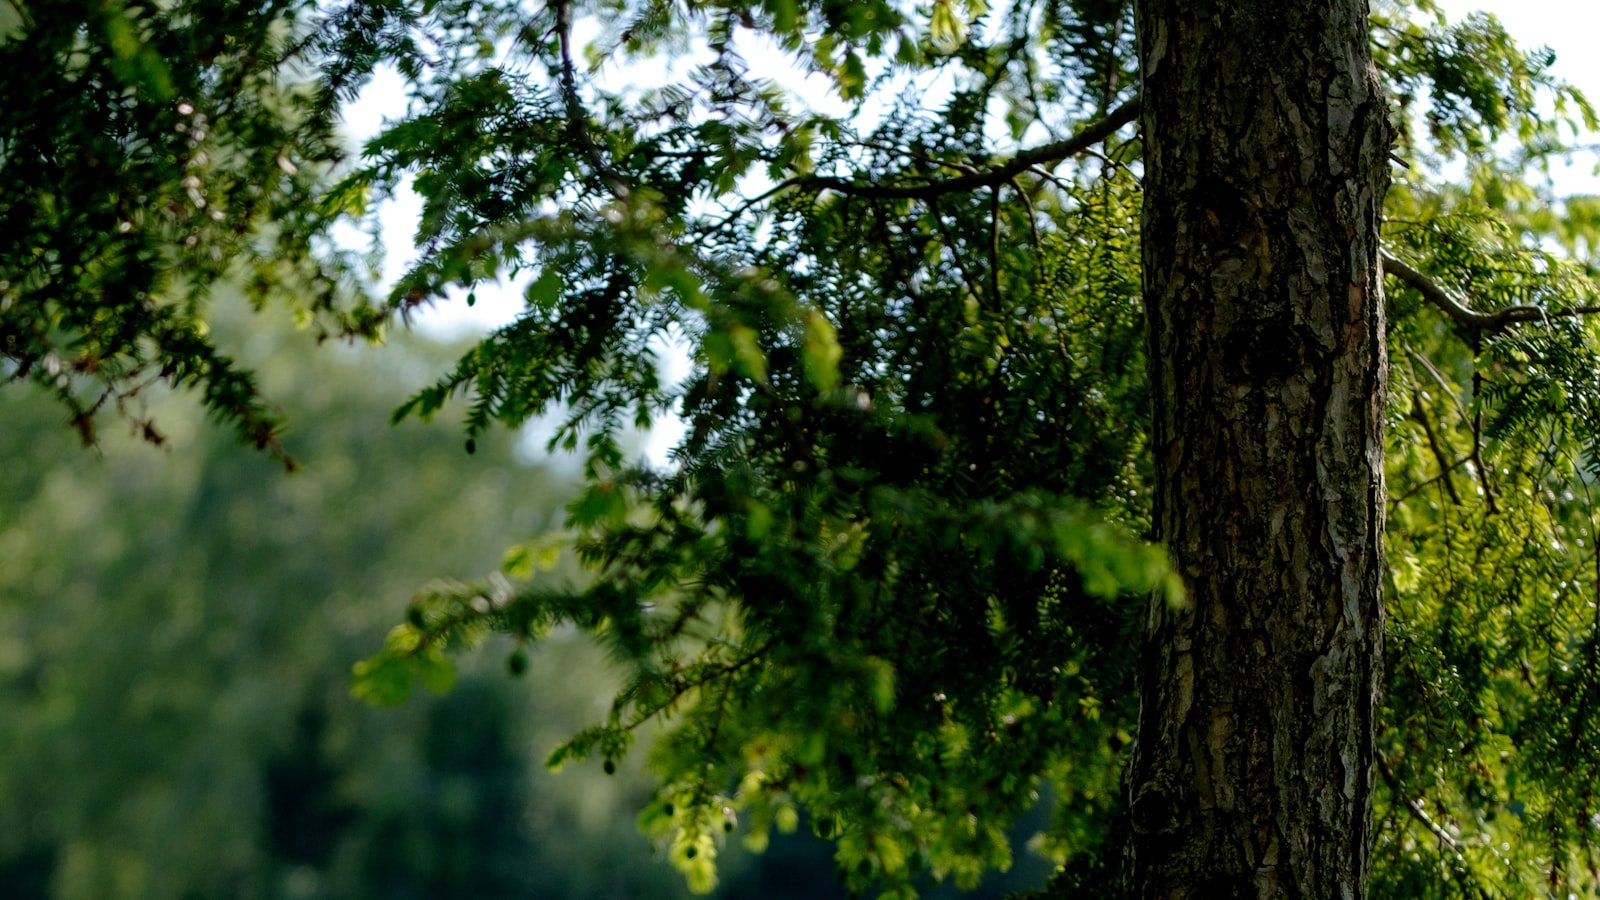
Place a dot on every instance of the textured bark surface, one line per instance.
(1265, 169)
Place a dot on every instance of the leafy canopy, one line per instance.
(892, 574)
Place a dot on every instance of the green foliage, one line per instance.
(1492, 552)
(1460, 88)
(148, 150)
(893, 574)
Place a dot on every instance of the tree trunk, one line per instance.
(1266, 162)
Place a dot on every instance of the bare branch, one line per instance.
(577, 116)
(1497, 320)
(1032, 160)
(1421, 414)
(998, 174)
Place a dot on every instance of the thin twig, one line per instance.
(577, 117)
(1421, 485)
(1421, 415)
(994, 245)
(1414, 807)
(1473, 422)
(1033, 228)
(1033, 160)
(1477, 427)
(973, 284)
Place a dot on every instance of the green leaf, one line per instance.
(601, 503)
(747, 354)
(435, 670)
(544, 292)
(946, 27)
(880, 683)
(383, 680)
(538, 555)
(821, 353)
(785, 15)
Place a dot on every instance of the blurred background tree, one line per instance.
(176, 632)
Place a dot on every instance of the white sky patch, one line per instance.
(1565, 26)
(1570, 28)
(383, 102)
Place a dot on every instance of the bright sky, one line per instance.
(1567, 27)
(1570, 28)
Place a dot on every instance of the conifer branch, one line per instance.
(998, 174)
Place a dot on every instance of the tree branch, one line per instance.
(1473, 422)
(1417, 488)
(1497, 320)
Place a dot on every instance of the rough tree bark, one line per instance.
(1266, 162)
